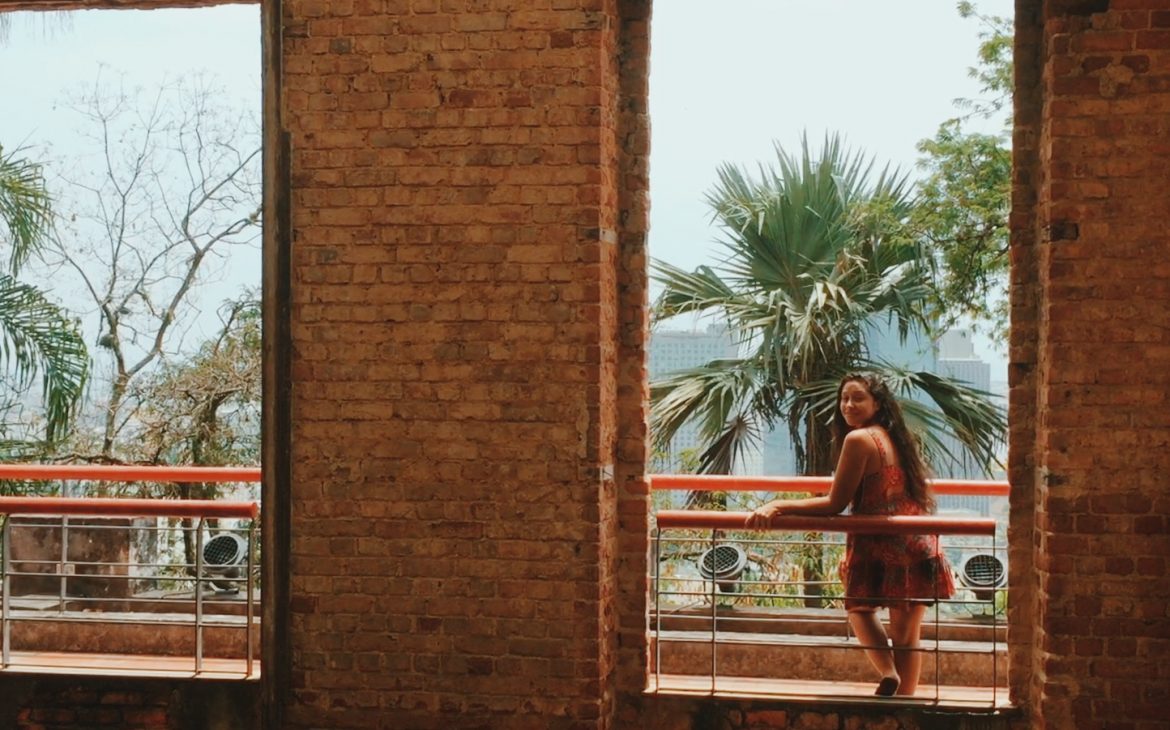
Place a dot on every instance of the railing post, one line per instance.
(995, 628)
(199, 595)
(714, 612)
(250, 609)
(937, 627)
(7, 587)
(655, 560)
(62, 588)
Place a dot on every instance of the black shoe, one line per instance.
(887, 687)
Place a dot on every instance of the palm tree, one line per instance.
(816, 254)
(36, 336)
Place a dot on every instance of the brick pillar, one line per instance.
(633, 121)
(1091, 316)
(468, 283)
(1025, 333)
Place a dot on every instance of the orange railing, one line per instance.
(813, 485)
(130, 473)
(212, 603)
(712, 626)
(860, 524)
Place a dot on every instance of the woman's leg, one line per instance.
(872, 635)
(906, 630)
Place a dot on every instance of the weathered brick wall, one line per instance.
(633, 123)
(74, 703)
(1025, 294)
(455, 184)
(1091, 326)
(69, 708)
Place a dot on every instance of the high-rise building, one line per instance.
(674, 350)
(957, 360)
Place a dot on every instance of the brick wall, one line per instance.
(1025, 293)
(632, 59)
(72, 703)
(1091, 319)
(455, 190)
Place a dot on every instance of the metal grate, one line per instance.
(983, 570)
(722, 561)
(222, 550)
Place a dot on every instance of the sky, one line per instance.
(49, 59)
(724, 86)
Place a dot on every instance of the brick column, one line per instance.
(1027, 171)
(1100, 329)
(460, 182)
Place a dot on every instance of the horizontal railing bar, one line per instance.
(814, 485)
(131, 473)
(112, 507)
(856, 524)
(227, 621)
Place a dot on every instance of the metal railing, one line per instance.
(127, 585)
(760, 629)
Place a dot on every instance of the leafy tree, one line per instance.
(966, 191)
(205, 409)
(173, 189)
(36, 336)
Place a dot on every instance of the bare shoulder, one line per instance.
(859, 443)
(860, 439)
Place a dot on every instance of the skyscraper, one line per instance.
(674, 350)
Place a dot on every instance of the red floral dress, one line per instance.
(890, 570)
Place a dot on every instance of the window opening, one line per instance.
(703, 215)
(133, 251)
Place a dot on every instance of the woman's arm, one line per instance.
(856, 454)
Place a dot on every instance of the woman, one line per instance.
(880, 471)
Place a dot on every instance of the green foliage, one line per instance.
(205, 409)
(781, 572)
(25, 212)
(966, 192)
(36, 336)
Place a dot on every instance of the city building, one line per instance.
(671, 351)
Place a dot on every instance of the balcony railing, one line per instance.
(120, 586)
(735, 614)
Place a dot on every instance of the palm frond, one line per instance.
(24, 206)
(961, 410)
(37, 337)
(707, 394)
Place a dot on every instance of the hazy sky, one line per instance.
(46, 60)
(727, 80)
(46, 56)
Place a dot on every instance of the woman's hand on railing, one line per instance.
(762, 516)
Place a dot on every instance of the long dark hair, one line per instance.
(888, 416)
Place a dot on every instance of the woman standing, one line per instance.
(880, 471)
